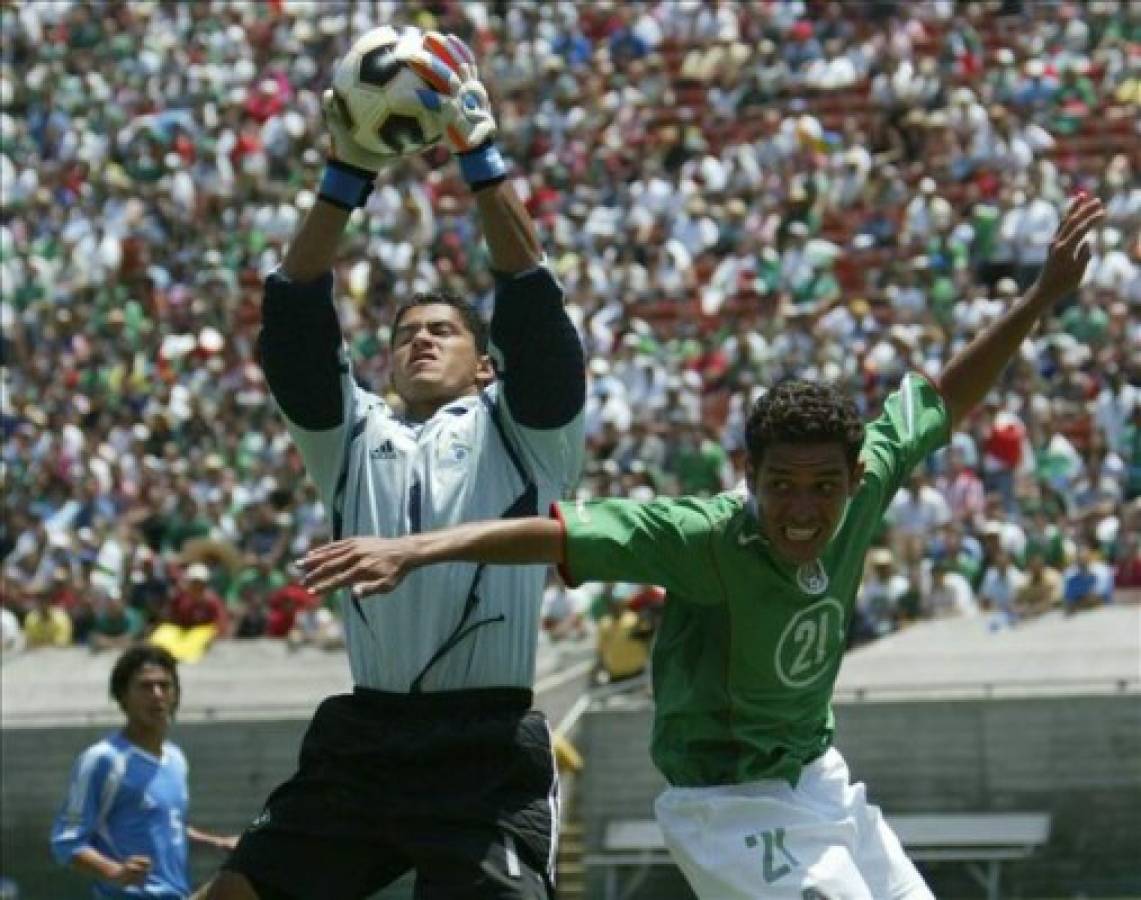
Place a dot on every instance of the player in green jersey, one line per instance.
(761, 585)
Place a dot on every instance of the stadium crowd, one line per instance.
(730, 192)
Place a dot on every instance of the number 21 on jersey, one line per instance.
(807, 644)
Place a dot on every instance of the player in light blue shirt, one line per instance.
(124, 819)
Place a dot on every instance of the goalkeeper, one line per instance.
(436, 761)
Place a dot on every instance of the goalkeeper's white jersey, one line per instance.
(381, 475)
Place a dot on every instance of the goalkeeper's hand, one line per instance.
(343, 149)
(458, 97)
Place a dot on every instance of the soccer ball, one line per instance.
(377, 95)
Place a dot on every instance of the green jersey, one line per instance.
(749, 646)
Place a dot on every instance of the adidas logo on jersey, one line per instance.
(386, 450)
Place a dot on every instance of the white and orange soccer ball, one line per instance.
(378, 94)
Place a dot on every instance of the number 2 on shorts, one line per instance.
(773, 843)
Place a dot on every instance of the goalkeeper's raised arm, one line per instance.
(460, 99)
(538, 353)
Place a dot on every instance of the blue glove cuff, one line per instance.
(482, 165)
(345, 185)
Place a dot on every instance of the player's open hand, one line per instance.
(368, 565)
(132, 871)
(1069, 251)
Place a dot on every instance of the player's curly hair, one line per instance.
(133, 659)
(471, 317)
(804, 412)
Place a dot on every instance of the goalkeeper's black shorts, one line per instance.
(459, 786)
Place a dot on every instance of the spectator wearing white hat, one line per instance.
(694, 229)
(1115, 405)
(1003, 78)
(947, 594)
(606, 400)
(915, 512)
(1110, 267)
(1041, 589)
(882, 592)
(643, 378)
(642, 444)
(963, 488)
(1036, 88)
(195, 604)
(1123, 204)
(1000, 586)
(1088, 582)
(918, 216)
(1035, 229)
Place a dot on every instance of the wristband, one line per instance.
(483, 166)
(345, 185)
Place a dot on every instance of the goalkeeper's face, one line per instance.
(435, 359)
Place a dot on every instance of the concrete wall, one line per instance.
(233, 767)
(1078, 758)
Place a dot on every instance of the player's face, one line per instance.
(150, 698)
(802, 491)
(435, 359)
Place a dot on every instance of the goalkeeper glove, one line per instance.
(460, 100)
(350, 170)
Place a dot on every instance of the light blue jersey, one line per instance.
(382, 474)
(122, 802)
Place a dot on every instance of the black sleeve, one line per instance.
(544, 374)
(298, 346)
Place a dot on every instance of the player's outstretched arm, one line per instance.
(968, 376)
(226, 842)
(372, 565)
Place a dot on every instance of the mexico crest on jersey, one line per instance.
(811, 577)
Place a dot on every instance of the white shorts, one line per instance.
(818, 841)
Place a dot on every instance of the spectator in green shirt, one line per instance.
(1085, 320)
(116, 625)
(701, 465)
(186, 523)
(1074, 99)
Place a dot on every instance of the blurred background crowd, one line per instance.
(730, 192)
